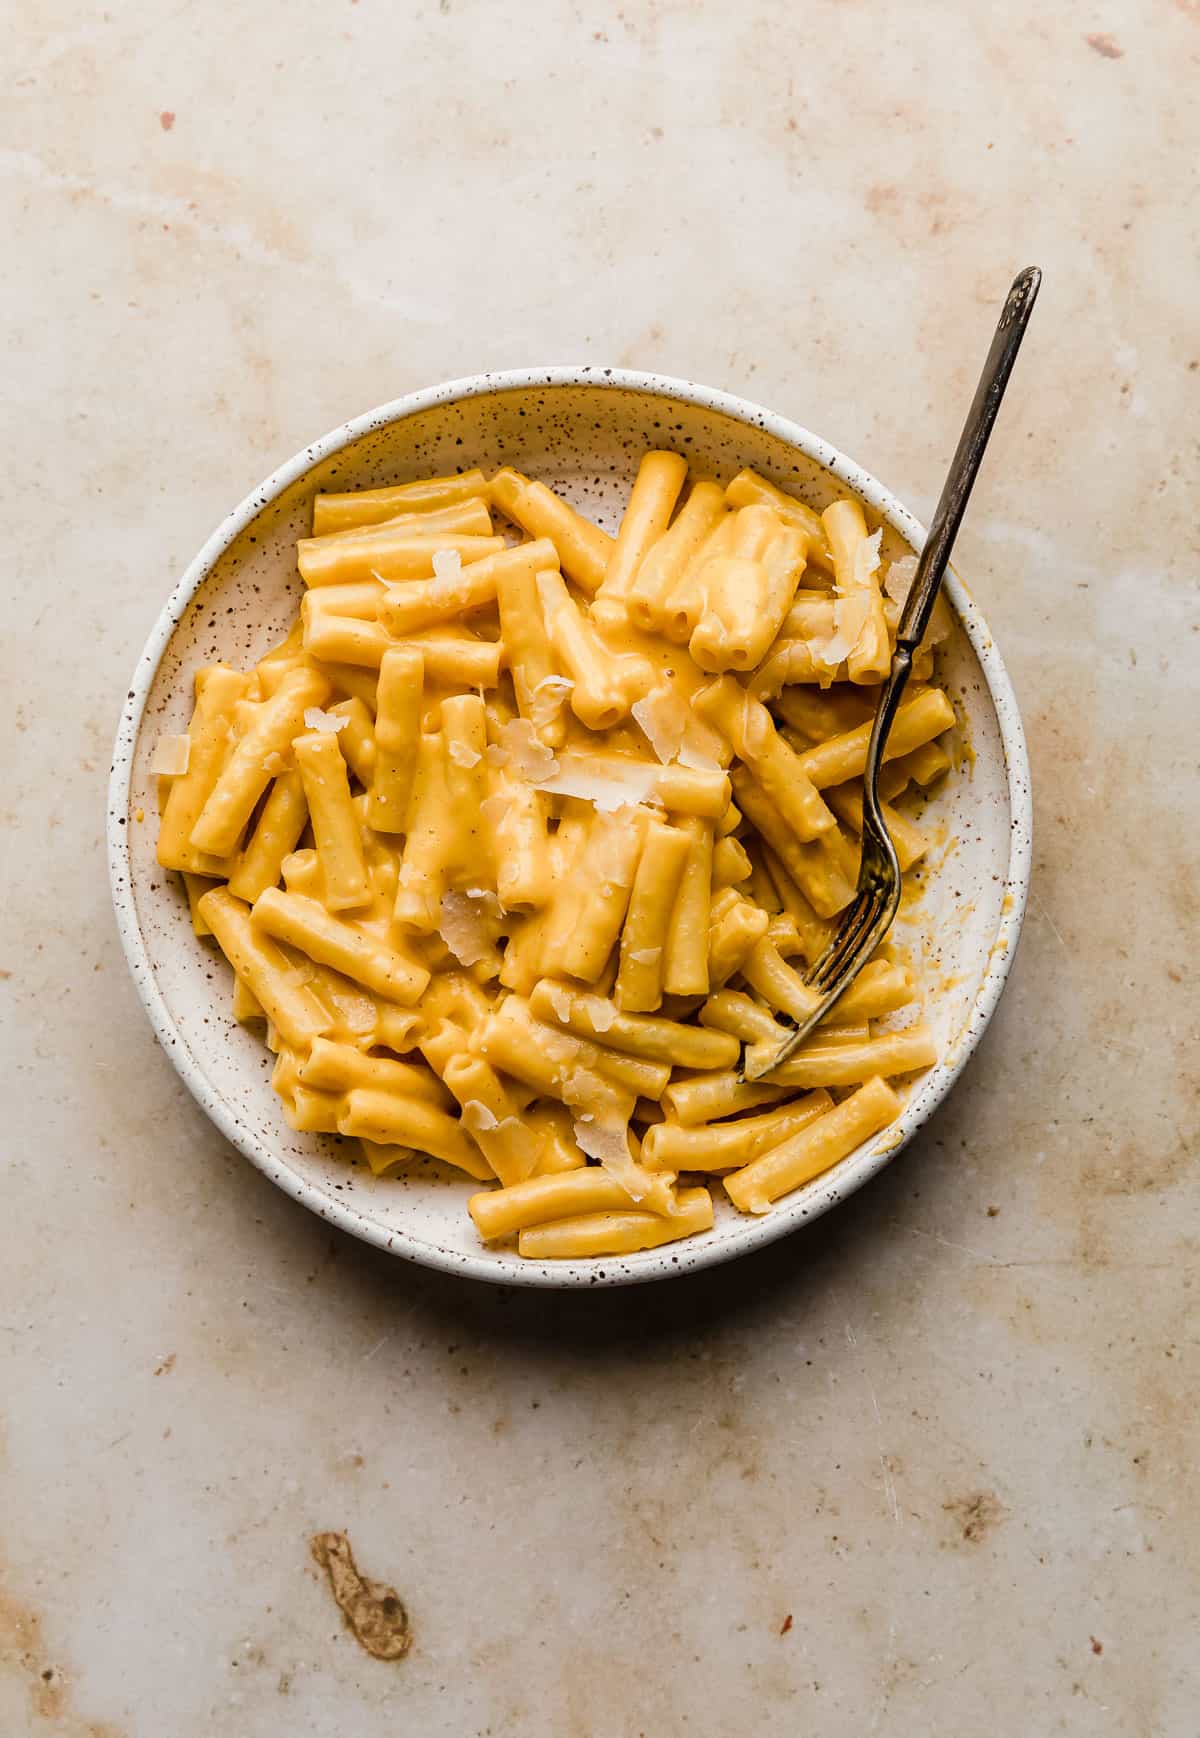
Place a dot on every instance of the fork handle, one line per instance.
(968, 456)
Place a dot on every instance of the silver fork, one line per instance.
(877, 899)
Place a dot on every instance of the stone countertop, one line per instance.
(927, 1468)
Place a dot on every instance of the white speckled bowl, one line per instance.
(582, 430)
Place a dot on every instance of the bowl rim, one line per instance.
(671, 1260)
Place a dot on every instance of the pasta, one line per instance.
(521, 842)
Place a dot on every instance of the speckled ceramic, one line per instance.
(583, 431)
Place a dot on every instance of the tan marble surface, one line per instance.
(950, 1431)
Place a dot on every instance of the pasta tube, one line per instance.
(356, 738)
(541, 1200)
(732, 938)
(917, 721)
(707, 1097)
(265, 969)
(658, 1040)
(665, 563)
(509, 1144)
(391, 1118)
(347, 947)
(583, 549)
(685, 955)
(848, 1064)
(340, 1068)
(648, 513)
(814, 1149)
(750, 730)
(334, 821)
(514, 815)
(660, 870)
(727, 1146)
(276, 834)
(425, 865)
(816, 866)
(606, 683)
(397, 737)
(747, 591)
(602, 892)
(407, 609)
(527, 645)
(217, 692)
(910, 842)
(748, 489)
(341, 512)
(388, 554)
(464, 736)
(855, 570)
(254, 761)
(617, 1233)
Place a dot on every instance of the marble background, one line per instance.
(929, 1467)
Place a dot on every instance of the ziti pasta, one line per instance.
(524, 832)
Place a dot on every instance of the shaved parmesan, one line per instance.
(488, 903)
(606, 792)
(940, 625)
(645, 956)
(171, 756)
(493, 809)
(447, 564)
(461, 753)
(274, 763)
(663, 719)
(560, 1001)
(602, 1015)
(326, 722)
(702, 747)
(607, 1141)
(465, 931)
(866, 559)
(478, 1118)
(546, 700)
(897, 581)
(850, 617)
(527, 757)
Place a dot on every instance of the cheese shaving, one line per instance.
(478, 1118)
(645, 956)
(663, 720)
(465, 932)
(608, 1141)
(897, 581)
(546, 700)
(702, 747)
(171, 756)
(328, 723)
(488, 902)
(493, 809)
(560, 1001)
(447, 564)
(461, 753)
(603, 791)
(866, 559)
(602, 1015)
(528, 758)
